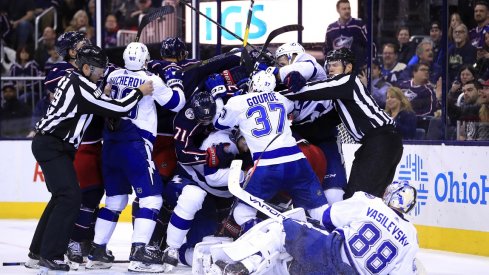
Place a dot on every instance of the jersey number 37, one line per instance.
(266, 125)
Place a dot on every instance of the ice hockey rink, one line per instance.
(15, 236)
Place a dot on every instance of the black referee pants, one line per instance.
(375, 162)
(53, 231)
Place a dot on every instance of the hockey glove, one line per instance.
(234, 75)
(218, 157)
(294, 81)
(261, 66)
(173, 77)
(215, 85)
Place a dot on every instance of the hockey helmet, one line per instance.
(262, 81)
(69, 40)
(91, 55)
(289, 49)
(135, 56)
(173, 47)
(203, 106)
(400, 196)
(343, 54)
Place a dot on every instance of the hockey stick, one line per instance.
(22, 263)
(212, 59)
(160, 12)
(277, 32)
(248, 22)
(240, 193)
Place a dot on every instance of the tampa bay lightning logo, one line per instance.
(189, 113)
(342, 42)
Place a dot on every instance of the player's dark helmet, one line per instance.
(204, 107)
(173, 47)
(91, 55)
(67, 41)
(342, 54)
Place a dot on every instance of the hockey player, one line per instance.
(127, 163)
(262, 119)
(87, 158)
(362, 235)
(381, 150)
(201, 184)
(313, 120)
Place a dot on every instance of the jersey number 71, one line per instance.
(263, 119)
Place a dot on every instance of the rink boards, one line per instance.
(452, 182)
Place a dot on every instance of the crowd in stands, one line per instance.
(412, 66)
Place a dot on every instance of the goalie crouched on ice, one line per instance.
(362, 235)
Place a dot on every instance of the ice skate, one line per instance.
(52, 266)
(99, 257)
(223, 268)
(145, 258)
(33, 261)
(170, 258)
(74, 255)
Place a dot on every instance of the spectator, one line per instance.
(482, 65)
(111, 28)
(481, 17)
(420, 92)
(466, 73)
(482, 132)
(379, 85)
(54, 58)
(25, 65)
(455, 20)
(142, 7)
(347, 32)
(435, 35)
(122, 9)
(21, 14)
(391, 68)
(467, 113)
(407, 49)
(462, 52)
(15, 115)
(41, 54)
(399, 108)
(80, 23)
(424, 52)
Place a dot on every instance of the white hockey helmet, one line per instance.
(135, 56)
(401, 196)
(262, 81)
(289, 49)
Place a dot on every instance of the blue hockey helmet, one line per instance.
(204, 107)
(400, 196)
(69, 40)
(173, 47)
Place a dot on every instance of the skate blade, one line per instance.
(135, 266)
(97, 265)
(46, 271)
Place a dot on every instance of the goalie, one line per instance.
(361, 235)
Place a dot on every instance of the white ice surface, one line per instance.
(15, 237)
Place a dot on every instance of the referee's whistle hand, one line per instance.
(146, 88)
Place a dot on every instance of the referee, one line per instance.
(58, 135)
(381, 147)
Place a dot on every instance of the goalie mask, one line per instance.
(400, 196)
(289, 49)
(262, 81)
(135, 56)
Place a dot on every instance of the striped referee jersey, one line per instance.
(76, 100)
(356, 107)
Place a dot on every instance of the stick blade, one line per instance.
(159, 12)
(235, 177)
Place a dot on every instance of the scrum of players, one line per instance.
(174, 150)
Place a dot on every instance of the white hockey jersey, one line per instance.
(260, 118)
(377, 239)
(144, 114)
